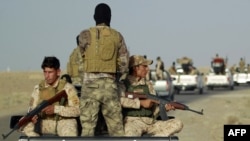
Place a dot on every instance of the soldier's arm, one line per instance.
(72, 109)
(84, 41)
(34, 99)
(123, 56)
(127, 102)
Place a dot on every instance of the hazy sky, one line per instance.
(32, 29)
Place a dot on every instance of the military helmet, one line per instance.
(139, 60)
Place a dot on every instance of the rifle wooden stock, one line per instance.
(27, 118)
(159, 100)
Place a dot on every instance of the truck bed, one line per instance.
(103, 138)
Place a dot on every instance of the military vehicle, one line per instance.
(164, 88)
(219, 75)
(241, 76)
(187, 77)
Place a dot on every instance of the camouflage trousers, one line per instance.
(136, 126)
(101, 95)
(64, 127)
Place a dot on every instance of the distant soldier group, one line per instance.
(187, 65)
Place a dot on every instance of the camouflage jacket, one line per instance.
(72, 109)
(135, 103)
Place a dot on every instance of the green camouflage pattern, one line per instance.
(101, 95)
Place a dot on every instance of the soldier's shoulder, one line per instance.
(84, 33)
(69, 85)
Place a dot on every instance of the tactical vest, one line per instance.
(142, 112)
(101, 55)
(46, 93)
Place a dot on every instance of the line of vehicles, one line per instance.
(186, 77)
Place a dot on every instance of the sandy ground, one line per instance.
(226, 108)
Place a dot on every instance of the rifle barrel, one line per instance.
(5, 136)
(198, 112)
(35, 111)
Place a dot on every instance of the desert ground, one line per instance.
(231, 107)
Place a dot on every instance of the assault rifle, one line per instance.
(27, 118)
(162, 102)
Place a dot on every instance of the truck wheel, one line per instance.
(177, 91)
(236, 84)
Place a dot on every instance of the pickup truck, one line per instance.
(219, 80)
(164, 88)
(241, 77)
(188, 82)
(100, 138)
(101, 132)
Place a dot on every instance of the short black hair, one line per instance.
(50, 62)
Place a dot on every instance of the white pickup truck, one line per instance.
(188, 82)
(164, 88)
(241, 77)
(219, 80)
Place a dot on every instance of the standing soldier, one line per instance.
(75, 65)
(105, 57)
(242, 65)
(59, 118)
(148, 74)
(248, 68)
(159, 68)
(172, 69)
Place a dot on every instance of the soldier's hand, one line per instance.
(49, 110)
(169, 107)
(34, 119)
(146, 103)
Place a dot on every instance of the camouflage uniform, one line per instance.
(139, 120)
(242, 65)
(172, 70)
(99, 91)
(137, 125)
(66, 124)
(159, 69)
(75, 67)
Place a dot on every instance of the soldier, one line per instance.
(75, 65)
(233, 69)
(148, 74)
(172, 69)
(159, 68)
(185, 64)
(193, 70)
(248, 68)
(140, 116)
(242, 65)
(105, 57)
(58, 118)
